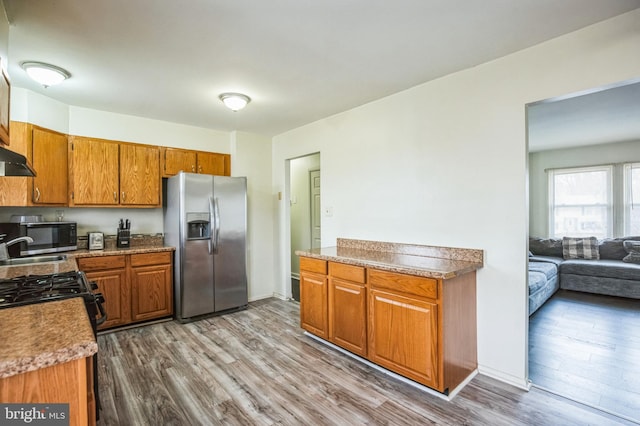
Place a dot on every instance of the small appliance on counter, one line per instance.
(48, 237)
(95, 241)
(124, 234)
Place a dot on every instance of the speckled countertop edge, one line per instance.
(45, 334)
(70, 263)
(119, 251)
(424, 266)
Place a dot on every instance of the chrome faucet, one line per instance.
(4, 254)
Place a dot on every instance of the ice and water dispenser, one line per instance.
(198, 226)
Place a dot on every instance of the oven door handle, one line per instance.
(103, 314)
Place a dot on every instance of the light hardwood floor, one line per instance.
(255, 367)
(587, 347)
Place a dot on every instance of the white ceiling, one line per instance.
(299, 60)
(603, 116)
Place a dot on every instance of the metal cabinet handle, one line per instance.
(37, 194)
(115, 196)
(199, 169)
(193, 168)
(123, 196)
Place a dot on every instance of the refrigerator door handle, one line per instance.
(212, 223)
(216, 233)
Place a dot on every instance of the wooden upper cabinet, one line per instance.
(14, 190)
(94, 172)
(139, 175)
(176, 160)
(211, 163)
(50, 163)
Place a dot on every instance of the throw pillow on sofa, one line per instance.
(546, 247)
(633, 248)
(580, 248)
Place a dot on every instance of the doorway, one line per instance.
(305, 218)
(580, 342)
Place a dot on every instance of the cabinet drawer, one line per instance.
(409, 284)
(100, 263)
(313, 265)
(151, 258)
(347, 272)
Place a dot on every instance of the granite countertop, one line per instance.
(117, 251)
(70, 263)
(44, 334)
(425, 261)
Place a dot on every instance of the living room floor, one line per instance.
(587, 347)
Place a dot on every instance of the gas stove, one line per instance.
(28, 289)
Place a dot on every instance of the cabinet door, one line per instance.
(211, 163)
(403, 336)
(176, 160)
(94, 172)
(50, 163)
(348, 315)
(117, 301)
(151, 291)
(313, 303)
(14, 189)
(139, 175)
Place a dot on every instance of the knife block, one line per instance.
(123, 239)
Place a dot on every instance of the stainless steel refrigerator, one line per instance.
(205, 219)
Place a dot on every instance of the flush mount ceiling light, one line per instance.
(45, 74)
(235, 101)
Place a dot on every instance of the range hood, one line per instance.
(14, 164)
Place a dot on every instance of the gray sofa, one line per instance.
(609, 275)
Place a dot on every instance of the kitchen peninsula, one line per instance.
(408, 308)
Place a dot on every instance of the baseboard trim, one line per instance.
(521, 383)
(396, 376)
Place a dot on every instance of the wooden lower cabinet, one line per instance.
(151, 289)
(421, 328)
(313, 296)
(347, 308)
(403, 336)
(137, 287)
(68, 383)
(110, 274)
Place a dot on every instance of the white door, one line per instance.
(314, 180)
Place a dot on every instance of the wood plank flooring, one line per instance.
(255, 367)
(587, 347)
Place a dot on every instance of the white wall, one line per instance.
(592, 155)
(300, 200)
(128, 128)
(445, 163)
(32, 107)
(251, 157)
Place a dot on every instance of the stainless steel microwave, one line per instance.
(48, 237)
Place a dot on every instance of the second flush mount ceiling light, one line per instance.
(45, 74)
(235, 101)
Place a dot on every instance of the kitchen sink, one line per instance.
(34, 259)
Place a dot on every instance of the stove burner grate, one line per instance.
(41, 288)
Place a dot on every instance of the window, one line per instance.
(632, 199)
(581, 202)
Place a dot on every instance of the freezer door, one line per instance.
(229, 232)
(197, 284)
